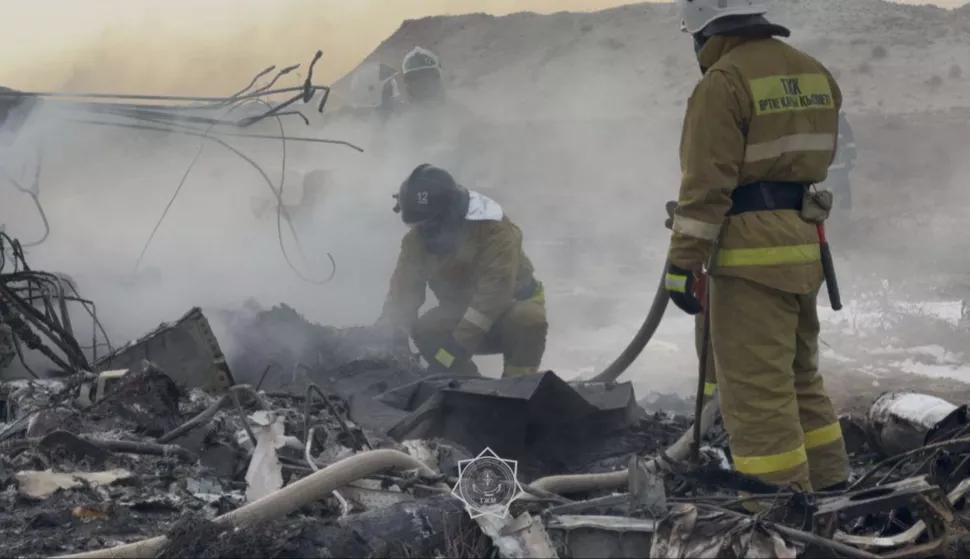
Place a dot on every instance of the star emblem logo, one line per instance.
(487, 484)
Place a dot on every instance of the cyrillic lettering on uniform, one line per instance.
(800, 92)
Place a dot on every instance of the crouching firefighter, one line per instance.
(760, 129)
(464, 248)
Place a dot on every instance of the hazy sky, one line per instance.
(209, 46)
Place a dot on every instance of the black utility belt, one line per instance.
(767, 196)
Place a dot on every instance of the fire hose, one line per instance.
(280, 503)
(689, 442)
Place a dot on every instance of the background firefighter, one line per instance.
(469, 253)
(759, 130)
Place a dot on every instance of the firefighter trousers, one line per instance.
(519, 335)
(782, 425)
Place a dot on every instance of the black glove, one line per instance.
(671, 208)
(683, 287)
(448, 355)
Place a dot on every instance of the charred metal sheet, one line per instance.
(186, 350)
(906, 538)
(854, 434)
(898, 422)
(587, 536)
(369, 495)
(521, 537)
(646, 488)
(915, 494)
(706, 534)
(616, 403)
(512, 416)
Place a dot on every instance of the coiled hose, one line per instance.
(288, 499)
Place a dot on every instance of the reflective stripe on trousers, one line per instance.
(782, 425)
(761, 465)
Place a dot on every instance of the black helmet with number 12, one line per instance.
(435, 204)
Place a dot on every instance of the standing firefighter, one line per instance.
(470, 254)
(759, 131)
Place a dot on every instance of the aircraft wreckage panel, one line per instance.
(186, 350)
(508, 415)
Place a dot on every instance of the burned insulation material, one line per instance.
(143, 401)
(430, 527)
(279, 350)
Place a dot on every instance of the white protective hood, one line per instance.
(483, 208)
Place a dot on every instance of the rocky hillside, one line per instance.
(633, 59)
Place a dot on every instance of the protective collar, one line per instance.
(483, 208)
(722, 36)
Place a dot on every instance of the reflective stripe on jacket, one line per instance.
(763, 112)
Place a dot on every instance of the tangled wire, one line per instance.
(190, 120)
(33, 301)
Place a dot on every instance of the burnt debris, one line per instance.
(348, 447)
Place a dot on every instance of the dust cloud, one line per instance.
(570, 121)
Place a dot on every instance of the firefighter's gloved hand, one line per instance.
(449, 354)
(687, 289)
(671, 208)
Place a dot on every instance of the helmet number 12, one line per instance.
(423, 197)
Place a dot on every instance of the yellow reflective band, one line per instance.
(824, 435)
(787, 144)
(540, 294)
(478, 319)
(695, 228)
(709, 388)
(760, 465)
(768, 256)
(791, 93)
(676, 283)
(515, 371)
(444, 358)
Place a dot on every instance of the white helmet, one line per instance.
(419, 59)
(698, 14)
(372, 85)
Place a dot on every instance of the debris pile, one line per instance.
(339, 444)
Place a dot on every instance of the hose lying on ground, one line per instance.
(678, 451)
(288, 499)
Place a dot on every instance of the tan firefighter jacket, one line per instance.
(481, 280)
(763, 111)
